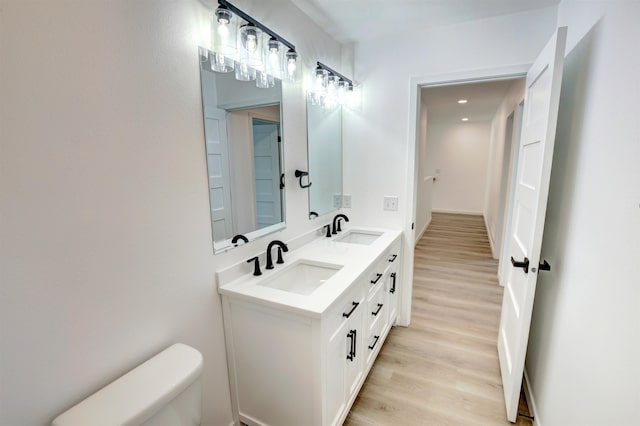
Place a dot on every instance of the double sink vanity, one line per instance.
(302, 337)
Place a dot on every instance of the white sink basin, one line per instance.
(301, 277)
(354, 236)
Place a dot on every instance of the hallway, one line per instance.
(443, 369)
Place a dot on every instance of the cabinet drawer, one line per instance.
(376, 308)
(347, 306)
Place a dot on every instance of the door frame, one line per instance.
(415, 86)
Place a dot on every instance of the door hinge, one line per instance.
(413, 225)
(279, 138)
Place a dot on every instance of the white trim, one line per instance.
(531, 401)
(424, 229)
(493, 247)
(454, 211)
(486, 74)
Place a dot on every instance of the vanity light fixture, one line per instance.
(330, 88)
(255, 52)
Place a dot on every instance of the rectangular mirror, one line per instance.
(243, 137)
(324, 146)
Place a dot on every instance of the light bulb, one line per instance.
(223, 29)
(292, 57)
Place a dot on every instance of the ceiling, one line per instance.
(360, 20)
(483, 101)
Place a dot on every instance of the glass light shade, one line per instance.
(265, 80)
(224, 32)
(245, 73)
(250, 46)
(331, 98)
(342, 92)
(220, 62)
(319, 82)
(273, 57)
(291, 65)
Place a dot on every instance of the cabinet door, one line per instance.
(335, 395)
(354, 365)
(391, 286)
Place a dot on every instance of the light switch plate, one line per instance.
(346, 201)
(391, 203)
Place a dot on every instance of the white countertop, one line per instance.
(354, 258)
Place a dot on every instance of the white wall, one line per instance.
(493, 208)
(460, 154)
(584, 346)
(378, 132)
(106, 253)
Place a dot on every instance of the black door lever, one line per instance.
(544, 266)
(524, 265)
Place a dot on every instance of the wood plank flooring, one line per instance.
(443, 369)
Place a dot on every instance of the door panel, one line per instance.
(530, 202)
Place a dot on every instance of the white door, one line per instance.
(266, 151)
(215, 126)
(542, 95)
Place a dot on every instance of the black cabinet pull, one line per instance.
(352, 345)
(393, 258)
(524, 265)
(375, 342)
(393, 280)
(377, 279)
(544, 266)
(377, 311)
(354, 305)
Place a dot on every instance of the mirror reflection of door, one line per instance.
(218, 172)
(266, 153)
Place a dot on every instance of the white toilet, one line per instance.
(163, 391)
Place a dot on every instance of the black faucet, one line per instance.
(336, 222)
(256, 265)
(328, 226)
(278, 243)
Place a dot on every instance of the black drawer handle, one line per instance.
(354, 305)
(393, 280)
(352, 345)
(377, 279)
(524, 265)
(393, 258)
(375, 342)
(377, 311)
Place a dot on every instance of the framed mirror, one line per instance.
(324, 147)
(243, 138)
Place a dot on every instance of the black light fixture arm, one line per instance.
(254, 22)
(334, 72)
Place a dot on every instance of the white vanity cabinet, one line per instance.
(290, 365)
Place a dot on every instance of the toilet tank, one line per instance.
(166, 390)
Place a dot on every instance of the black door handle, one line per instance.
(544, 266)
(377, 311)
(524, 265)
(393, 288)
(393, 258)
(377, 279)
(354, 305)
(375, 342)
(352, 345)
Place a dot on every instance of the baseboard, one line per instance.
(493, 248)
(531, 401)
(424, 229)
(469, 212)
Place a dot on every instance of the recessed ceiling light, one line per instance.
(465, 119)
(463, 101)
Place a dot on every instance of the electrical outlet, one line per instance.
(337, 201)
(346, 201)
(391, 203)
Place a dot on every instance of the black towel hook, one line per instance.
(301, 174)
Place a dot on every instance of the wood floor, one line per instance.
(443, 369)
